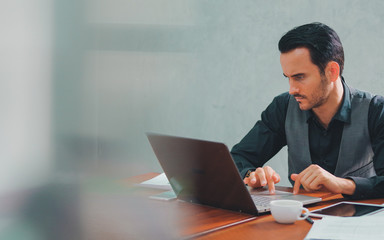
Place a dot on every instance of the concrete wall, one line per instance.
(91, 77)
(207, 69)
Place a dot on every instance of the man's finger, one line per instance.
(246, 180)
(268, 175)
(294, 176)
(296, 187)
(309, 180)
(276, 177)
(252, 178)
(315, 183)
(260, 174)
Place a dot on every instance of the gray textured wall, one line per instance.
(84, 80)
(210, 72)
(207, 69)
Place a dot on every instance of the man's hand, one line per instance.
(262, 177)
(315, 178)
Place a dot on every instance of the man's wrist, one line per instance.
(348, 186)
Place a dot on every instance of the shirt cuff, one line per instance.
(244, 172)
(363, 188)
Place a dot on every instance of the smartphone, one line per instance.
(347, 209)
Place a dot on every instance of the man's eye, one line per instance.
(299, 77)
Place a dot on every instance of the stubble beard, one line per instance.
(319, 97)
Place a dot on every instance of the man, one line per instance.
(334, 133)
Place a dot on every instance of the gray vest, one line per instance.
(355, 153)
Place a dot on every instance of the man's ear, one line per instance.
(332, 71)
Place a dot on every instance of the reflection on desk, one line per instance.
(202, 222)
(119, 209)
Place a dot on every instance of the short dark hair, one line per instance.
(322, 42)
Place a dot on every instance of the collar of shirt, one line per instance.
(344, 112)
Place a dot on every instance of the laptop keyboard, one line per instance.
(262, 203)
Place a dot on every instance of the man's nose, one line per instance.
(292, 88)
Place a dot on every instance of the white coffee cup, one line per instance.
(288, 211)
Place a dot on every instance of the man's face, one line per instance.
(306, 84)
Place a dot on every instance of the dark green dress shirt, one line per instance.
(267, 138)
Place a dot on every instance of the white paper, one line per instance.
(379, 213)
(351, 228)
(159, 181)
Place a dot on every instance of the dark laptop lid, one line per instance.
(202, 172)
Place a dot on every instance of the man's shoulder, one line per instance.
(376, 105)
(278, 107)
(376, 100)
(283, 97)
(280, 102)
(357, 93)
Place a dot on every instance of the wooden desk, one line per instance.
(202, 222)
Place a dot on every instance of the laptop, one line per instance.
(203, 172)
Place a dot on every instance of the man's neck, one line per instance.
(326, 111)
